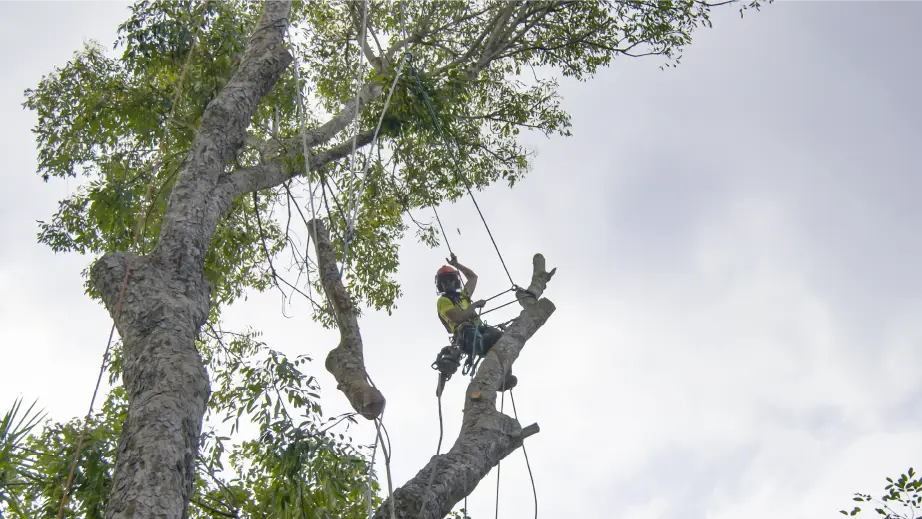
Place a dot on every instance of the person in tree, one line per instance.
(459, 315)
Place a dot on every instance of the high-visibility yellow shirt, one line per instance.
(445, 304)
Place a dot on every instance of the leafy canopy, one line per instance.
(902, 498)
(490, 68)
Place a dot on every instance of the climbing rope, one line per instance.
(350, 222)
(374, 451)
(358, 85)
(435, 465)
(456, 163)
(515, 414)
(142, 223)
(439, 220)
(531, 476)
(499, 464)
(355, 196)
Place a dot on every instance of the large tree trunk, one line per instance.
(168, 298)
(166, 384)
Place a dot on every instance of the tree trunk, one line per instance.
(166, 384)
(167, 299)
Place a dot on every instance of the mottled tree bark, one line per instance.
(166, 383)
(167, 299)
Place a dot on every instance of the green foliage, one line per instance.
(902, 500)
(17, 469)
(109, 119)
(48, 457)
(104, 117)
(266, 451)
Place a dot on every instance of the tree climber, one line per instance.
(459, 315)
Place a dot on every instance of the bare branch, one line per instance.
(211, 510)
(274, 173)
(487, 436)
(362, 39)
(539, 279)
(346, 362)
(474, 47)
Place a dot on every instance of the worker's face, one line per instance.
(451, 282)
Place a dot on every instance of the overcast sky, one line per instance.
(737, 330)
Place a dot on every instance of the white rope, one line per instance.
(374, 451)
(350, 223)
(305, 149)
(358, 87)
(374, 141)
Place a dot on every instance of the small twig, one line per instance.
(209, 509)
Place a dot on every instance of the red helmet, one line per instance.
(446, 270)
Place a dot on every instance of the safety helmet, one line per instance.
(447, 279)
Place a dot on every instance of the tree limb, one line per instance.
(539, 279)
(362, 39)
(487, 436)
(186, 234)
(325, 132)
(346, 362)
(274, 173)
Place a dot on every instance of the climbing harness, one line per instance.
(449, 358)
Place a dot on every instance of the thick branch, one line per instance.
(362, 39)
(487, 436)
(274, 173)
(185, 237)
(107, 276)
(323, 133)
(346, 362)
(340, 121)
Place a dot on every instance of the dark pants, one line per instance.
(469, 338)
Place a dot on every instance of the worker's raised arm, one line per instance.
(471, 283)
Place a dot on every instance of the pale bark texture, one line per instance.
(168, 299)
(346, 362)
(166, 383)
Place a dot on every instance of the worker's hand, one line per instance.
(478, 304)
(453, 260)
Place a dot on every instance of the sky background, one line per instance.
(737, 330)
